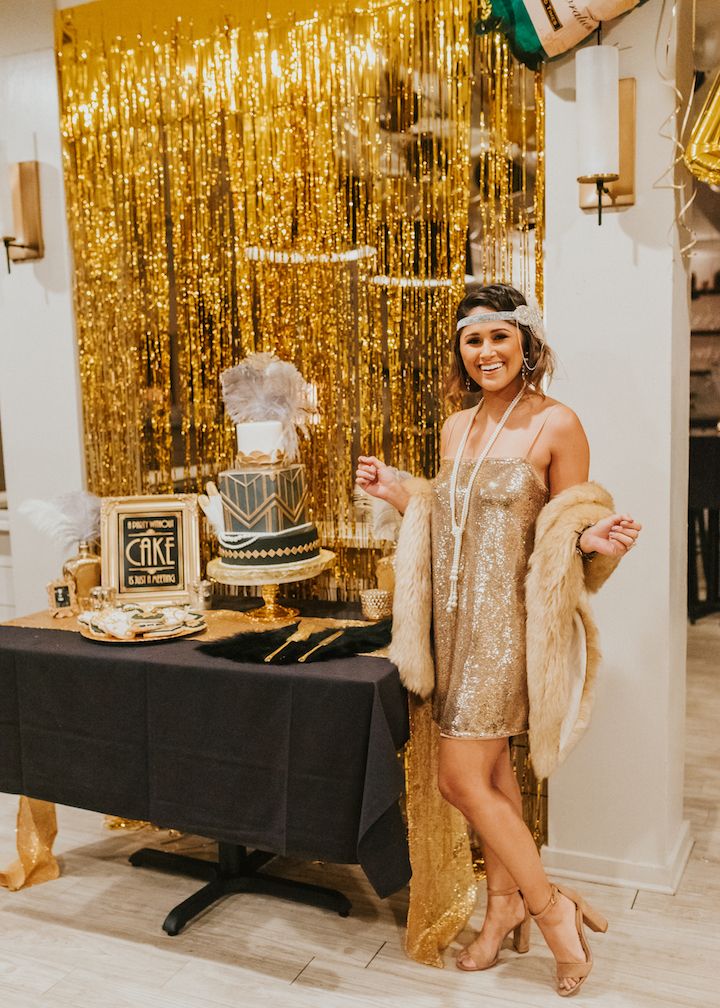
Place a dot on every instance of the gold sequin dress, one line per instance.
(481, 680)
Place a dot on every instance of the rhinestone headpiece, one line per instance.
(526, 315)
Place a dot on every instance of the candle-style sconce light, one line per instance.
(26, 242)
(606, 129)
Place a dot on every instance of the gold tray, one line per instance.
(154, 638)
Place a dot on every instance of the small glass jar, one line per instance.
(84, 571)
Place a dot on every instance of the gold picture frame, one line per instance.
(150, 547)
(62, 600)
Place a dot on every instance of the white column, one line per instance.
(40, 410)
(618, 316)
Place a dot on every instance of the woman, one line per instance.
(502, 460)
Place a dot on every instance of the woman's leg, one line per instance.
(466, 769)
(504, 779)
(502, 912)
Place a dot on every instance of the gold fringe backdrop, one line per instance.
(304, 188)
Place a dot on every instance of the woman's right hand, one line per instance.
(376, 478)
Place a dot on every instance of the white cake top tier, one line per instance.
(263, 436)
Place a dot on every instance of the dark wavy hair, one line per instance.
(497, 297)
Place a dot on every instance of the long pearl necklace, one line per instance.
(458, 527)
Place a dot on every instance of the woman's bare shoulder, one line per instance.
(559, 416)
(452, 423)
(563, 432)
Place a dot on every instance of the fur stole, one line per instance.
(561, 633)
(411, 645)
(557, 614)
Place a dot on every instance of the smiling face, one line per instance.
(491, 353)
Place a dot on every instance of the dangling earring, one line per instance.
(525, 368)
(468, 384)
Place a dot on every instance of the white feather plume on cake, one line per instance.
(212, 506)
(263, 387)
(66, 519)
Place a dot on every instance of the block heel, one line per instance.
(584, 914)
(592, 917)
(521, 935)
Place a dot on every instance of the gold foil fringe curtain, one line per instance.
(320, 189)
(305, 188)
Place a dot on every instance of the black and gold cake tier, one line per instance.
(269, 550)
(263, 498)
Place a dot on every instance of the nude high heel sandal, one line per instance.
(584, 914)
(520, 933)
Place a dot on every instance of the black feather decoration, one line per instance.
(248, 647)
(280, 647)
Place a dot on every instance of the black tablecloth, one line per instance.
(299, 760)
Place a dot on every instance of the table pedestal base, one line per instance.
(235, 871)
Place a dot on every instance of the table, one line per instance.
(297, 760)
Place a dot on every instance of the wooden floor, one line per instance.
(92, 939)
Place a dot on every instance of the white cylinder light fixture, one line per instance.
(597, 72)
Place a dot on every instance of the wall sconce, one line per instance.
(606, 129)
(26, 242)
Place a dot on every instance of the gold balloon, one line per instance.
(702, 155)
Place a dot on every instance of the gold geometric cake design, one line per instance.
(268, 501)
(264, 554)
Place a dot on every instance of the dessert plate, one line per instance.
(145, 638)
(130, 624)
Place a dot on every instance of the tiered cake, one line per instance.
(264, 502)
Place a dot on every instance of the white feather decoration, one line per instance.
(66, 519)
(82, 510)
(213, 508)
(263, 387)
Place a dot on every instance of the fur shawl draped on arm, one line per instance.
(411, 645)
(557, 613)
(558, 622)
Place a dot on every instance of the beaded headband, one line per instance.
(524, 314)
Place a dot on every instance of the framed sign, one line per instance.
(61, 598)
(150, 547)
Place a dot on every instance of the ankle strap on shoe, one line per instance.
(549, 905)
(502, 892)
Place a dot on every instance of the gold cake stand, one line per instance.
(268, 579)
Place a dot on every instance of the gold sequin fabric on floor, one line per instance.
(481, 680)
(35, 834)
(443, 889)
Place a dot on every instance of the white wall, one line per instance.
(617, 312)
(39, 387)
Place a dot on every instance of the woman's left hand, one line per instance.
(613, 536)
